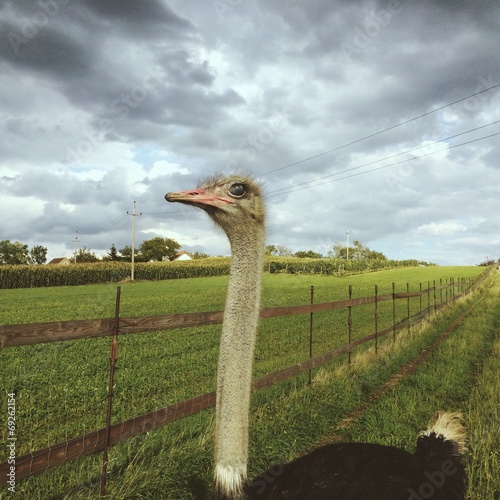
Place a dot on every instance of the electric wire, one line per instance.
(292, 190)
(408, 151)
(379, 132)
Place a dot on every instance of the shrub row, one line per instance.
(109, 272)
(294, 265)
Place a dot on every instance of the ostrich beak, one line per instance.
(198, 197)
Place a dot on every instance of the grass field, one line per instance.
(61, 387)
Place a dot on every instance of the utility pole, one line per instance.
(76, 241)
(347, 243)
(134, 214)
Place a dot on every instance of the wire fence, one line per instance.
(41, 440)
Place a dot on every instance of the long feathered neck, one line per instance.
(236, 359)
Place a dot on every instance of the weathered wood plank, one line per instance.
(36, 333)
(40, 460)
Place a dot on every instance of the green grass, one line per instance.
(61, 387)
(463, 374)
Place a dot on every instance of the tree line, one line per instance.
(153, 250)
(162, 249)
(16, 253)
(357, 251)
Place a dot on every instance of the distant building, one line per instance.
(183, 256)
(60, 261)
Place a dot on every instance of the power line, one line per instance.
(292, 190)
(386, 158)
(380, 131)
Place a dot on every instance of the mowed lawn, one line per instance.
(61, 388)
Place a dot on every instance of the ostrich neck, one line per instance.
(236, 354)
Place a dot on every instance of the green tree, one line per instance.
(38, 255)
(200, 255)
(13, 253)
(356, 252)
(308, 254)
(113, 253)
(339, 251)
(488, 262)
(84, 255)
(283, 251)
(271, 250)
(126, 252)
(159, 248)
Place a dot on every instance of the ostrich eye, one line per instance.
(237, 190)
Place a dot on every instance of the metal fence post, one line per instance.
(429, 299)
(434, 293)
(376, 319)
(113, 355)
(393, 311)
(311, 333)
(349, 326)
(408, 307)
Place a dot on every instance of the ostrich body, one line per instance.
(342, 471)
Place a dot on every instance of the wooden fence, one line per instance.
(57, 454)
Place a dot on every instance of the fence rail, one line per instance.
(18, 335)
(57, 331)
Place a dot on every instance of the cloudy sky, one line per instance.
(372, 115)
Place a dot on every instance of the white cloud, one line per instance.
(445, 228)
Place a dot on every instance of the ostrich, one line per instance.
(349, 471)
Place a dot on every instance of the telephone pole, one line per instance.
(134, 214)
(347, 243)
(76, 241)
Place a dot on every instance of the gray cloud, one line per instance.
(102, 103)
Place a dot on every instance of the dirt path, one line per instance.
(395, 379)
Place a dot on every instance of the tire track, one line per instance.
(395, 379)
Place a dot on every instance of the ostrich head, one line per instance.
(232, 202)
(235, 204)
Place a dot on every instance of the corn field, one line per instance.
(107, 272)
(114, 272)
